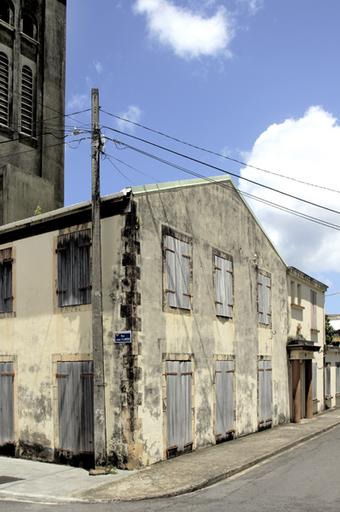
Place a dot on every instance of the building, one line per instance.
(32, 93)
(332, 363)
(190, 278)
(306, 347)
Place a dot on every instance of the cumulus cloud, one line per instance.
(252, 5)
(307, 149)
(189, 34)
(133, 113)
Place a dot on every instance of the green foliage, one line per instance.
(329, 331)
(38, 210)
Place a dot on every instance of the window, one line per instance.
(27, 101)
(6, 294)
(292, 292)
(4, 89)
(177, 272)
(313, 299)
(264, 306)
(298, 294)
(6, 12)
(223, 280)
(28, 26)
(74, 279)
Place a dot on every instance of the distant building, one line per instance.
(332, 362)
(306, 345)
(32, 95)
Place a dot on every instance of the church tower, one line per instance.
(32, 102)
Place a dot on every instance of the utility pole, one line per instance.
(96, 295)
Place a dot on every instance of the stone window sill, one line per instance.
(297, 306)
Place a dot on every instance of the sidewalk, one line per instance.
(53, 483)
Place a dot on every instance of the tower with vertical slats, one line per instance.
(32, 97)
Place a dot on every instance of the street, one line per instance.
(302, 479)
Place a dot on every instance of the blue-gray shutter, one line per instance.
(223, 276)
(266, 280)
(74, 273)
(177, 263)
(265, 391)
(179, 406)
(75, 404)
(183, 272)
(170, 265)
(338, 378)
(6, 292)
(6, 403)
(327, 380)
(224, 384)
(260, 298)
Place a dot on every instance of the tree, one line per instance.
(329, 331)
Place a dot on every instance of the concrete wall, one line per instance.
(300, 322)
(214, 217)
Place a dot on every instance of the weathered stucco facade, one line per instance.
(230, 325)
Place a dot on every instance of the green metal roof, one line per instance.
(156, 187)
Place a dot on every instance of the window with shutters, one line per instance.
(223, 283)
(74, 268)
(4, 89)
(6, 12)
(27, 102)
(313, 299)
(177, 270)
(6, 292)
(264, 305)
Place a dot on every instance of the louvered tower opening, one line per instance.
(4, 89)
(27, 101)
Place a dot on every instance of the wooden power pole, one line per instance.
(97, 317)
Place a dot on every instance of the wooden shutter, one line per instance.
(27, 101)
(6, 403)
(265, 392)
(75, 405)
(224, 384)
(179, 406)
(74, 272)
(314, 380)
(264, 299)
(223, 276)
(6, 293)
(178, 271)
(4, 89)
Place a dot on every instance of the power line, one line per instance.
(251, 196)
(220, 155)
(216, 168)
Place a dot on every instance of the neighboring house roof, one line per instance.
(293, 271)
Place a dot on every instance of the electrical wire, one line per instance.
(219, 169)
(251, 196)
(220, 155)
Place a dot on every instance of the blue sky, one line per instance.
(256, 80)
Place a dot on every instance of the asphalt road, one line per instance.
(305, 479)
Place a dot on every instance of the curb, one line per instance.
(54, 500)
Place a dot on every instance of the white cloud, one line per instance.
(252, 5)
(307, 149)
(133, 114)
(189, 34)
(78, 102)
(98, 66)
